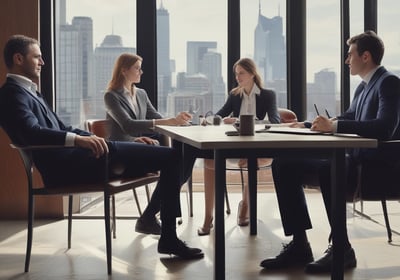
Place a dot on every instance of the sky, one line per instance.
(205, 20)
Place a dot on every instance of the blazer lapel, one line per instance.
(367, 90)
(128, 104)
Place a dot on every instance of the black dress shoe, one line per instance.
(178, 248)
(324, 264)
(291, 255)
(148, 226)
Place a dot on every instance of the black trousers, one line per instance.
(291, 175)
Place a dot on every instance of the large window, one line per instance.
(191, 56)
(356, 27)
(388, 18)
(89, 37)
(323, 57)
(263, 38)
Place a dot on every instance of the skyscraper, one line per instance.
(163, 58)
(84, 26)
(195, 52)
(269, 48)
(69, 76)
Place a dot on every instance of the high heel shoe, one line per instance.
(205, 230)
(242, 218)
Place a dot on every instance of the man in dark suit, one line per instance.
(374, 113)
(27, 119)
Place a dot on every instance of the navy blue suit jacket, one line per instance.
(37, 125)
(375, 113)
(265, 104)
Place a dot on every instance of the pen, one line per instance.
(316, 109)
(327, 114)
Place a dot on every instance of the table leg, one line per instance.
(338, 212)
(220, 181)
(252, 177)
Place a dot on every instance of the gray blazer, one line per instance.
(125, 125)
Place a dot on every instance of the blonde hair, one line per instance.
(124, 61)
(249, 66)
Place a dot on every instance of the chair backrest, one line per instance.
(287, 116)
(99, 127)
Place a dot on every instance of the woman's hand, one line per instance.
(297, 125)
(229, 120)
(183, 118)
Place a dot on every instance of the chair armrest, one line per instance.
(26, 154)
(36, 147)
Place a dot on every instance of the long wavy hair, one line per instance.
(124, 61)
(249, 66)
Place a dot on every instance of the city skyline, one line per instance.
(118, 17)
(208, 25)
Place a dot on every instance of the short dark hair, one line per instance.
(369, 41)
(17, 44)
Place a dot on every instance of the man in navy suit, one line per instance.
(373, 113)
(27, 119)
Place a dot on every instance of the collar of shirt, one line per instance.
(368, 77)
(249, 101)
(255, 90)
(24, 82)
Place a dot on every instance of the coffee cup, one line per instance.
(246, 125)
(217, 120)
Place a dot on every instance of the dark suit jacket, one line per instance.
(378, 113)
(29, 122)
(37, 125)
(265, 104)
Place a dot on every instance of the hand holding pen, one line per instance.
(322, 123)
(326, 111)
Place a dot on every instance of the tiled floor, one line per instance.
(135, 256)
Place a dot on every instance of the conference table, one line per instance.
(275, 142)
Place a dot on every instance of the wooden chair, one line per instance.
(107, 187)
(100, 127)
(287, 116)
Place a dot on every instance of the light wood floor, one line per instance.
(135, 255)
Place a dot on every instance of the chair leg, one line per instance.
(190, 190)
(137, 201)
(114, 217)
(147, 193)
(107, 221)
(228, 207)
(385, 215)
(31, 203)
(70, 203)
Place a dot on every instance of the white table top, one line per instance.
(213, 137)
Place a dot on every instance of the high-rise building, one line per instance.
(74, 56)
(269, 48)
(195, 51)
(84, 26)
(323, 93)
(202, 58)
(212, 69)
(164, 70)
(68, 78)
